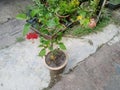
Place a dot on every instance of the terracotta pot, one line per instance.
(92, 23)
(59, 67)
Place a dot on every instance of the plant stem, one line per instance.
(101, 10)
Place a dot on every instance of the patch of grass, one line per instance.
(20, 39)
(78, 31)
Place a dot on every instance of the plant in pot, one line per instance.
(66, 11)
(55, 59)
(87, 13)
(67, 7)
(44, 22)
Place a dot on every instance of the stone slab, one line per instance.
(10, 8)
(22, 69)
(100, 71)
(10, 31)
(79, 49)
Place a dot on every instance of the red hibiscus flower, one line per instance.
(32, 35)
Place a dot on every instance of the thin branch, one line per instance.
(54, 35)
(98, 17)
(61, 30)
(43, 35)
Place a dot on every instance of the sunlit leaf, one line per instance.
(42, 52)
(62, 46)
(26, 28)
(21, 16)
(34, 12)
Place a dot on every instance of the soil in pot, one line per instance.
(55, 59)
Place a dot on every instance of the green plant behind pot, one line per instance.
(87, 11)
(67, 7)
(44, 20)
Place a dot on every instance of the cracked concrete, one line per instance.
(83, 48)
(10, 28)
(19, 61)
(22, 69)
(10, 8)
(100, 71)
(9, 32)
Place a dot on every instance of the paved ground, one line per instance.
(10, 8)
(21, 68)
(20, 63)
(10, 28)
(9, 32)
(100, 71)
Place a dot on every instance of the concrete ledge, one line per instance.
(21, 68)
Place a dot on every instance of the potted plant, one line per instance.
(87, 13)
(55, 59)
(46, 24)
(64, 9)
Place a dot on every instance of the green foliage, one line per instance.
(93, 7)
(21, 16)
(44, 16)
(52, 23)
(62, 46)
(42, 52)
(34, 12)
(26, 28)
(20, 39)
(51, 45)
(79, 31)
(67, 7)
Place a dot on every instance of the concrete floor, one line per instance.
(10, 28)
(10, 8)
(100, 71)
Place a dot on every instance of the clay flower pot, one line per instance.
(92, 23)
(61, 62)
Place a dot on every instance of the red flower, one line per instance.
(32, 35)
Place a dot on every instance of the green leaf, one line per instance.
(34, 12)
(42, 52)
(59, 38)
(50, 48)
(62, 46)
(26, 28)
(53, 22)
(41, 45)
(21, 16)
(83, 13)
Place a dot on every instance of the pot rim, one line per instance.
(60, 67)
